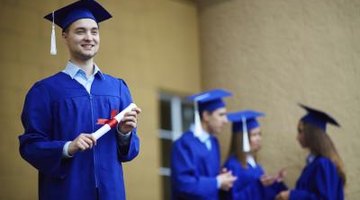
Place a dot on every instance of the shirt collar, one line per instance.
(251, 161)
(203, 136)
(310, 158)
(71, 69)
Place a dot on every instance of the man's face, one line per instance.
(82, 39)
(216, 120)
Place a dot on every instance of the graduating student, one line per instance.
(195, 157)
(252, 182)
(62, 110)
(323, 176)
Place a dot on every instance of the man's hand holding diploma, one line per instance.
(129, 121)
(125, 122)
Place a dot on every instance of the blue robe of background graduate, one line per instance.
(251, 183)
(60, 111)
(323, 176)
(195, 156)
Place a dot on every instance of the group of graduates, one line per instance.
(197, 173)
(61, 111)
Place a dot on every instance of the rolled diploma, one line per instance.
(113, 122)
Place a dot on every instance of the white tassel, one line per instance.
(246, 143)
(53, 50)
(198, 128)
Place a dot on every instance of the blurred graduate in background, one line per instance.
(195, 156)
(252, 182)
(323, 176)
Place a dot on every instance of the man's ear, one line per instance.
(64, 34)
(205, 115)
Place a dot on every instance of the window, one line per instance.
(176, 115)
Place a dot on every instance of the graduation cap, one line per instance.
(317, 118)
(243, 121)
(207, 101)
(65, 16)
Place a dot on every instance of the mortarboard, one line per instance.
(250, 119)
(65, 16)
(317, 118)
(207, 101)
(244, 121)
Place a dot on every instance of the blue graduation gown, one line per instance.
(194, 168)
(56, 110)
(248, 185)
(319, 180)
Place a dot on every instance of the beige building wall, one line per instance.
(275, 54)
(153, 45)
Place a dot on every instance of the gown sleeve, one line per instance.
(256, 191)
(253, 190)
(127, 150)
(247, 186)
(36, 144)
(324, 181)
(272, 190)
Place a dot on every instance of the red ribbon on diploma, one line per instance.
(112, 123)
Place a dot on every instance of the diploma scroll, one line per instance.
(113, 122)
